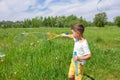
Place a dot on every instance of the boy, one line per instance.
(81, 48)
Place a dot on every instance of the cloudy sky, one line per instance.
(14, 10)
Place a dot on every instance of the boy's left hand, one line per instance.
(76, 58)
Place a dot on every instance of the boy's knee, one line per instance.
(71, 77)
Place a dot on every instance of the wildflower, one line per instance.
(26, 65)
(31, 44)
(2, 55)
(56, 57)
(38, 41)
(2, 60)
(15, 72)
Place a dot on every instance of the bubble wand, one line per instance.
(76, 63)
(53, 35)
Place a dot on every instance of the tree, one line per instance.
(117, 21)
(100, 19)
(6, 24)
(60, 22)
(27, 23)
(83, 21)
(37, 22)
(18, 24)
(110, 23)
(70, 20)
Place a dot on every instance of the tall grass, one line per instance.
(39, 59)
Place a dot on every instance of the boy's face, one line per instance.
(75, 33)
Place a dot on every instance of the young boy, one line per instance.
(81, 48)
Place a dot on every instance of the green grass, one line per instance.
(39, 59)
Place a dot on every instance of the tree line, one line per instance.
(100, 20)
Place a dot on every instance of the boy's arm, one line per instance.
(87, 53)
(86, 57)
(67, 36)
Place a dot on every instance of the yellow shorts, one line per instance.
(72, 70)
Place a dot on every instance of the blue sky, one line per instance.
(14, 10)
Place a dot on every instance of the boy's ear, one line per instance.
(78, 32)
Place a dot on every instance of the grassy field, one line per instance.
(39, 59)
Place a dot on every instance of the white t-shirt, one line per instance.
(81, 48)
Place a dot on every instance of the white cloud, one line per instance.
(14, 9)
(77, 9)
(19, 9)
(3, 8)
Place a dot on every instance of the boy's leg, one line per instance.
(80, 72)
(71, 74)
(71, 77)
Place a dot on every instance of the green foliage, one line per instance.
(83, 21)
(58, 21)
(117, 21)
(100, 19)
(6, 24)
(36, 22)
(27, 23)
(39, 59)
(110, 23)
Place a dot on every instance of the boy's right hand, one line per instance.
(63, 35)
(67, 35)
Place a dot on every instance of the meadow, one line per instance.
(39, 59)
